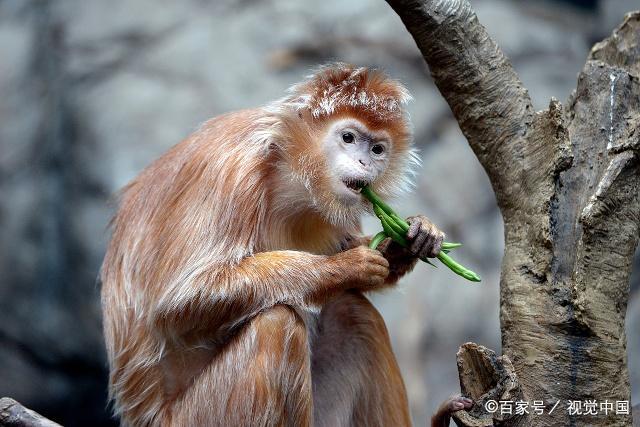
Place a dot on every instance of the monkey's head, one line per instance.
(350, 129)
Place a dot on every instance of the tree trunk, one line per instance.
(567, 181)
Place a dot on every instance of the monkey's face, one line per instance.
(356, 156)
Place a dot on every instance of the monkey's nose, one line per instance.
(363, 163)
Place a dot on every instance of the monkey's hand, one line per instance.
(401, 259)
(353, 241)
(425, 239)
(452, 404)
(361, 268)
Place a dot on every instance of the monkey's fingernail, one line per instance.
(457, 405)
(413, 230)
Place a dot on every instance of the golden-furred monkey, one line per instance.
(232, 288)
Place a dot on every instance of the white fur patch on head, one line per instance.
(340, 85)
(342, 92)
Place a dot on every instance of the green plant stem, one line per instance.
(457, 268)
(377, 239)
(375, 200)
(390, 221)
(396, 228)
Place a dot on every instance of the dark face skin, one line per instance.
(357, 156)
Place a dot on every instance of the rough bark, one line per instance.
(13, 414)
(485, 377)
(567, 181)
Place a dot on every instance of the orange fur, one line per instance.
(231, 287)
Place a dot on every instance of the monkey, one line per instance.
(233, 283)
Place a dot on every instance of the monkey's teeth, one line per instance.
(355, 185)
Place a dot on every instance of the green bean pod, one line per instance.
(393, 233)
(393, 224)
(401, 222)
(457, 268)
(375, 200)
(396, 228)
(377, 239)
(449, 246)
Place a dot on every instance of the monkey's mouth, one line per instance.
(355, 185)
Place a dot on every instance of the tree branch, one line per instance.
(13, 414)
(486, 96)
(567, 181)
(485, 377)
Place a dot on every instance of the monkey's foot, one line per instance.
(452, 404)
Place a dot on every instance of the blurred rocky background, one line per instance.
(93, 90)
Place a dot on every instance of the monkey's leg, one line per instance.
(356, 379)
(261, 378)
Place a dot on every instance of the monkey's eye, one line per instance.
(377, 149)
(348, 137)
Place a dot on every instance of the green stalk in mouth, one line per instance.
(395, 227)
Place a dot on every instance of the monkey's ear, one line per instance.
(275, 150)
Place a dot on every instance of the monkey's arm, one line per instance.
(227, 295)
(353, 241)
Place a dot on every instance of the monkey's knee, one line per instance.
(282, 369)
(281, 330)
(282, 354)
(262, 377)
(280, 315)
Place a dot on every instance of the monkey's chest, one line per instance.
(306, 232)
(311, 318)
(312, 242)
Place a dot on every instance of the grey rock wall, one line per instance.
(92, 91)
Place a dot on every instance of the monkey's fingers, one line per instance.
(433, 244)
(425, 238)
(374, 282)
(379, 260)
(372, 276)
(421, 240)
(377, 271)
(414, 227)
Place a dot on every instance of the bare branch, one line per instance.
(485, 377)
(567, 180)
(622, 49)
(13, 414)
(486, 96)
